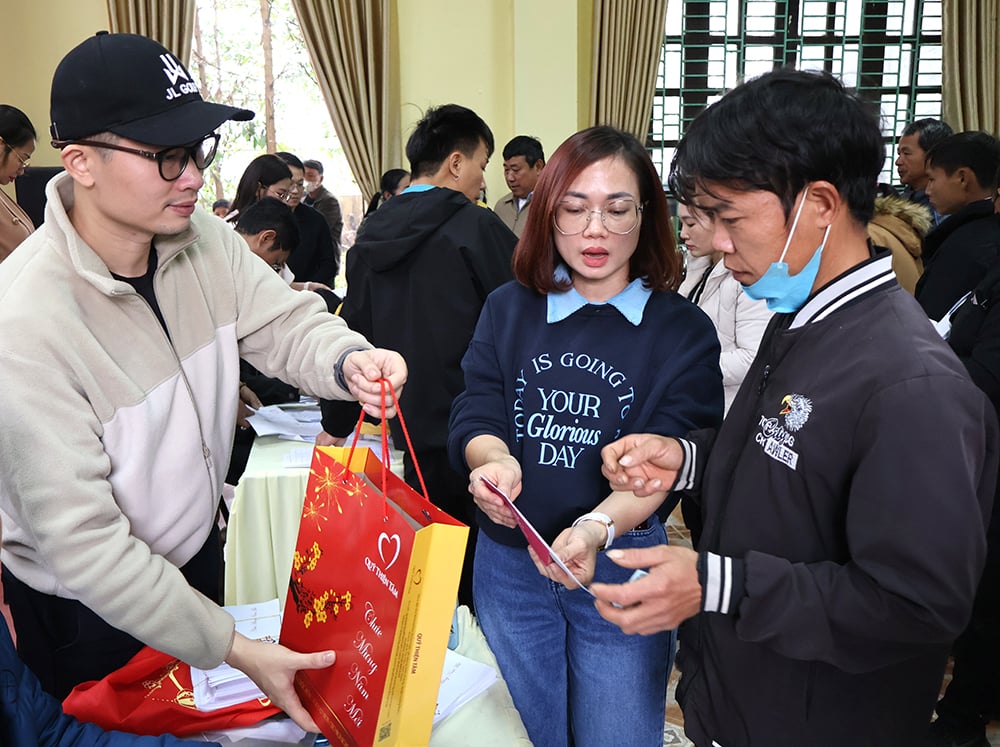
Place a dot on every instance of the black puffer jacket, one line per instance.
(956, 256)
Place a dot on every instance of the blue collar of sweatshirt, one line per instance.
(417, 188)
(631, 302)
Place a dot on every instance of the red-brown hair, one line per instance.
(656, 258)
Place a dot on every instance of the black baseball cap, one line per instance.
(134, 87)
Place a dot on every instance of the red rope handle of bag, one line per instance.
(384, 427)
(357, 435)
(406, 436)
(386, 459)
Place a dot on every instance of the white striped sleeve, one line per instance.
(721, 582)
(686, 474)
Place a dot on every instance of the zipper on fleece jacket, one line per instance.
(205, 450)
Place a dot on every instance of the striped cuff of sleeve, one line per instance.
(685, 475)
(721, 580)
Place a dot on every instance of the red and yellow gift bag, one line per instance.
(374, 578)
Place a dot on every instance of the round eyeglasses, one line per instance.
(285, 197)
(25, 160)
(171, 161)
(619, 217)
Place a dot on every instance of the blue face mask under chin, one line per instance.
(785, 293)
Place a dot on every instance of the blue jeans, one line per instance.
(575, 678)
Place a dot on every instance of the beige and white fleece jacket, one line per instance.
(114, 438)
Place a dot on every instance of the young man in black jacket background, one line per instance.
(956, 253)
(416, 282)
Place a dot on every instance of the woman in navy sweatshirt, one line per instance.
(590, 343)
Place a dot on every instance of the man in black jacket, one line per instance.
(839, 513)
(973, 695)
(961, 173)
(416, 282)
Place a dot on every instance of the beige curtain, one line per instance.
(170, 22)
(970, 38)
(628, 37)
(350, 43)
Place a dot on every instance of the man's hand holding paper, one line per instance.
(667, 596)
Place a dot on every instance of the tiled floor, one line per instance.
(673, 733)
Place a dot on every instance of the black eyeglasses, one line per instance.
(171, 161)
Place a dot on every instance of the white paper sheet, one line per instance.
(462, 679)
(225, 686)
(272, 420)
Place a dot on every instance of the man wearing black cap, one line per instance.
(119, 399)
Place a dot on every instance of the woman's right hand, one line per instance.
(505, 473)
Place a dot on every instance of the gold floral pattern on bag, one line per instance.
(312, 606)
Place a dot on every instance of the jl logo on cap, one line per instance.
(175, 71)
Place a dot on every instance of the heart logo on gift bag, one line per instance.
(381, 550)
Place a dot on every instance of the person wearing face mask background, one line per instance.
(322, 200)
(739, 320)
(17, 143)
(839, 513)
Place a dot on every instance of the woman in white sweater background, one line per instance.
(739, 320)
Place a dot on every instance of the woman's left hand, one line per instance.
(577, 548)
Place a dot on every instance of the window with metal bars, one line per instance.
(889, 50)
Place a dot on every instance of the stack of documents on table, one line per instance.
(225, 686)
(370, 437)
(298, 458)
(301, 457)
(294, 421)
(462, 679)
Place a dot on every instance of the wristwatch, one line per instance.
(600, 518)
